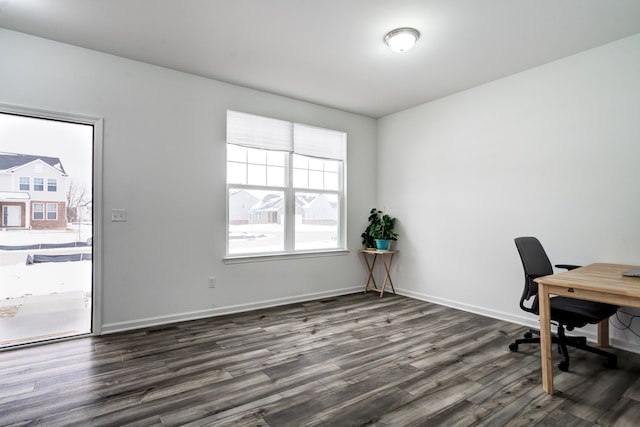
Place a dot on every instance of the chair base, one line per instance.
(563, 342)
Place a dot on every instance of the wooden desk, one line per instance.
(387, 259)
(595, 282)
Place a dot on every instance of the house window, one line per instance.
(52, 184)
(25, 184)
(38, 211)
(285, 186)
(38, 184)
(52, 211)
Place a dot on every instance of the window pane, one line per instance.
(315, 173)
(275, 176)
(52, 211)
(236, 153)
(38, 211)
(38, 184)
(276, 158)
(300, 161)
(316, 164)
(315, 180)
(257, 175)
(331, 165)
(257, 156)
(256, 221)
(300, 178)
(236, 173)
(317, 219)
(331, 181)
(52, 185)
(24, 183)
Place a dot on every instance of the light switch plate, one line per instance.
(118, 215)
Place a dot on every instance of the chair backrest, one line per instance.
(536, 264)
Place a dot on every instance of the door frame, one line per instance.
(97, 123)
(6, 215)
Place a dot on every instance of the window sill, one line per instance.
(282, 256)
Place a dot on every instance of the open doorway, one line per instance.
(47, 226)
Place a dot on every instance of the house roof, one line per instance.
(13, 160)
(270, 202)
(273, 202)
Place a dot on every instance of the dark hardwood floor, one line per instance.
(351, 360)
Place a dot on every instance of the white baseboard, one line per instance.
(109, 328)
(528, 321)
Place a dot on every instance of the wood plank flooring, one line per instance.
(346, 361)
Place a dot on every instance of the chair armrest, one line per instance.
(535, 276)
(568, 266)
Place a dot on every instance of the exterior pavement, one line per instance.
(42, 317)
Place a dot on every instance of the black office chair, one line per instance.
(566, 313)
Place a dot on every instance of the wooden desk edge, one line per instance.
(554, 284)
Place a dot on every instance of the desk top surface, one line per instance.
(599, 277)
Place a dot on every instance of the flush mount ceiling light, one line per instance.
(401, 39)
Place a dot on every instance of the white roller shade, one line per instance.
(318, 142)
(253, 131)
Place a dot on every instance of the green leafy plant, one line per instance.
(380, 226)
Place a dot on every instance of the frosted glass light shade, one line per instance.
(401, 39)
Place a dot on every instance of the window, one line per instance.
(285, 186)
(25, 184)
(38, 211)
(38, 184)
(52, 184)
(52, 211)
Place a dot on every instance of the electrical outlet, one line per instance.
(212, 282)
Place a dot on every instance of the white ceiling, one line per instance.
(331, 52)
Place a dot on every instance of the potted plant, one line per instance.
(368, 241)
(379, 232)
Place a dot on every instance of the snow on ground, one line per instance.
(17, 280)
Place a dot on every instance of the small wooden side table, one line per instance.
(387, 259)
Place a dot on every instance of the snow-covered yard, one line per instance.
(17, 280)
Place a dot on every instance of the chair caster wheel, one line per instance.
(513, 347)
(528, 335)
(563, 366)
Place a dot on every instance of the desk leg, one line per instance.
(603, 333)
(387, 277)
(371, 278)
(545, 338)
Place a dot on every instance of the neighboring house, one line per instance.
(239, 203)
(318, 210)
(310, 209)
(32, 192)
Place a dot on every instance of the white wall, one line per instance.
(552, 152)
(164, 162)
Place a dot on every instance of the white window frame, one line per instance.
(307, 147)
(49, 210)
(42, 211)
(27, 183)
(35, 185)
(52, 182)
